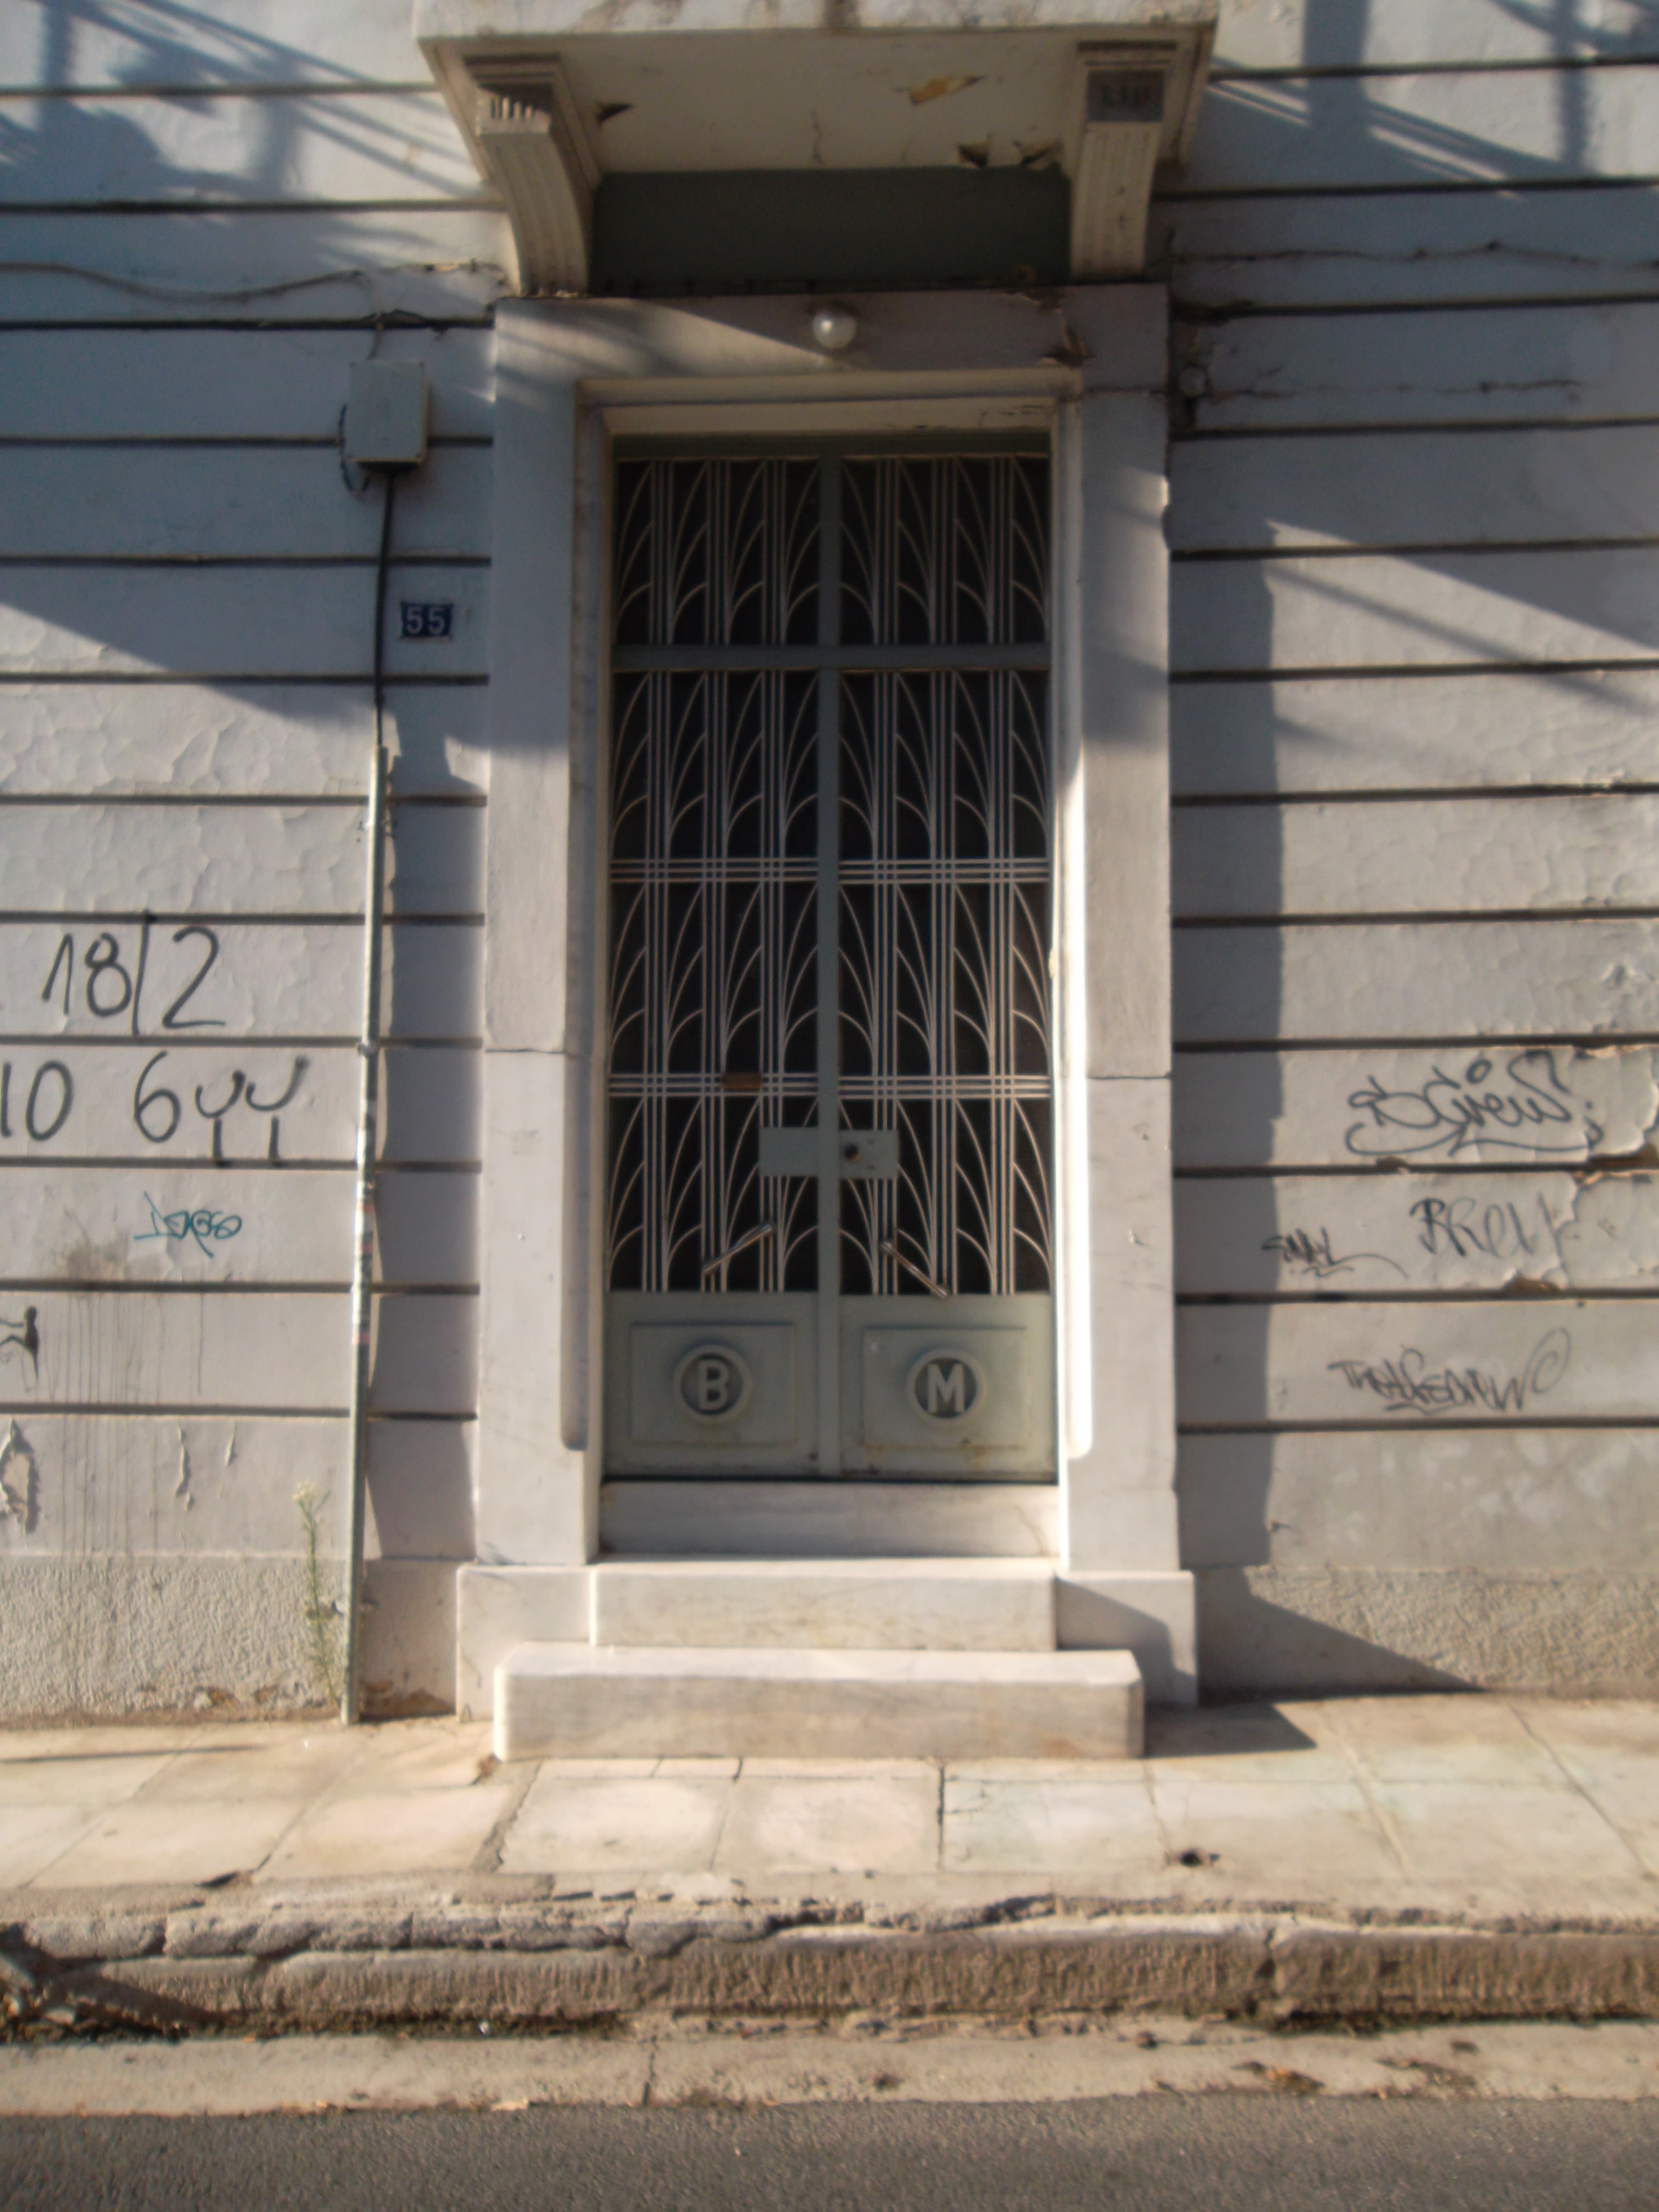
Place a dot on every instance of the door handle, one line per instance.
(911, 1268)
(724, 1259)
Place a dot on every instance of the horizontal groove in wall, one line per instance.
(133, 800)
(1390, 795)
(1392, 1166)
(118, 441)
(23, 1408)
(116, 1163)
(1589, 1041)
(1190, 558)
(1394, 428)
(1539, 65)
(291, 88)
(20, 1409)
(1248, 310)
(1420, 1428)
(345, 1040)
(1409, 917)
(1390, 671)
(460, 1413)
(103, 1287)
(344, 1164)
(398, 801)
(1408, 189)
(400, 318)
(99, 211)
(168, 1412)
(151, 560)
(226, 680)
(383, 1168)
(1571, 1294)
(257, 919)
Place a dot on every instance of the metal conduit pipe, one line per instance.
(368, 1104)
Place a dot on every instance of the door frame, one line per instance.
(1088, 366)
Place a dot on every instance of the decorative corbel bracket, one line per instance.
(532, 141)
(1135, 106)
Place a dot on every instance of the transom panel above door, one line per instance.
(829, 1208)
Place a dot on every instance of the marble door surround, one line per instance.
(1086, 368)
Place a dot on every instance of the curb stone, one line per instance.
(321, 1960)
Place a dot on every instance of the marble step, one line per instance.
(860, 1605)
(573, 1700)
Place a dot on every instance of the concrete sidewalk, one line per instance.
(1455, 1854)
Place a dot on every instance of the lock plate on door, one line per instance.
(861, 1155)
(868, 1155)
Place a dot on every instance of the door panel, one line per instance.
(728, 1380)
(830, 1093)
(954, 1387)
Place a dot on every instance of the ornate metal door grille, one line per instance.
(830, 897)
(944, 873)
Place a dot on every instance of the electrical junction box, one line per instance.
(385, 415)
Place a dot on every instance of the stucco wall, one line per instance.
(186, 645)
(1413, 504)
(1413, 500)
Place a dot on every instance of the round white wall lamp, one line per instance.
(835, 328)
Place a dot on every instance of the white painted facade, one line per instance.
(1355, 602)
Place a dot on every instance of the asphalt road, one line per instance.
(1219, 2152)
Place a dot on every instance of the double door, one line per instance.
(829, 1201)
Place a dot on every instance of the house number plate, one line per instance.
(426, 618)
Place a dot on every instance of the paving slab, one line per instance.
(1270, 1744)
(33, 1836)
(1575, 1728)
(415, 1832)
(1281, 1838)
(137, 1842)
(832, 1823)
(1507, 1835)
(294, 1764)
(97, 1782)
(1610, 1754)
(827, 1770)
(418, 1755)
(122, 1740)
(601, 1770)
(1481, 1741)
(1104, 1830)
(1628, 1799)
(634, 1823)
